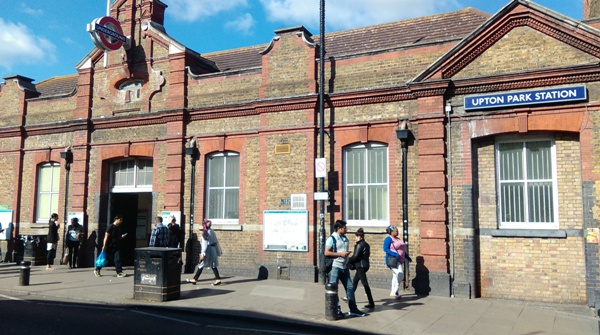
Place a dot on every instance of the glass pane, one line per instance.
(130, 178)
(232, 177)
(539, 165)
(377, 165)
(512, 202)
(231, 203)
(511, 161)
(45, 180)
(215, 204)
(356, 203)
(55, 178)
(378, 202)
(216, 167)
(541, 205)
(54, 203)
(355, 166)
(43, 207)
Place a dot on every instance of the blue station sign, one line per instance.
(529, 97)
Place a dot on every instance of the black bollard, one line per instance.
(331, 301)
(24, 273)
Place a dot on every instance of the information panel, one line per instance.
(285, 230)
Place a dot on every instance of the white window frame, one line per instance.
(134, 186)
(224, 187)
(366, 222)
(526, 224)
(53, 192)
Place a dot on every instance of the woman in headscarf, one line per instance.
(209, 256)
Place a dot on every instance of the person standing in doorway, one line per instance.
(160, 234)
(360, 261)
(209, 256)
(339, 270)
(111, 246)
(175, 237)
(52, 241)
(74, 235)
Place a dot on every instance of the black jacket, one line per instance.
(360, 258)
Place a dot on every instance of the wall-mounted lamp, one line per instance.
(67, 155)
(402, 133)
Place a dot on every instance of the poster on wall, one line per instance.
(6, 224)
(285, 230)
(166, 214)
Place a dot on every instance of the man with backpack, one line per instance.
(339, 270)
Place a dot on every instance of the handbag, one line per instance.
(101, 260)
(392, 262)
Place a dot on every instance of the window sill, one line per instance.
(229, 227)
(536, 233)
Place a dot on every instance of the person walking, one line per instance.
(209, 256)
(160, 234)
(74, 236)
(339, 270)
(111, 246)
(52, 241)
(395, 254)
(360, 261)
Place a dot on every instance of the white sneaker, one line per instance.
(121, 274)
(97, 273)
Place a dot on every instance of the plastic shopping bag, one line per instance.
(101, 260)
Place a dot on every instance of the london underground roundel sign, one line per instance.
(107, 33)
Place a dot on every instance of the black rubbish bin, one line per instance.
(157, 274)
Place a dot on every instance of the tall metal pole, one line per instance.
(191, 151)
(405, 206)
(321, 135)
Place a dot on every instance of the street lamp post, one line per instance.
(67, 155)
(404, 135)
(321, 242)
(194, 154)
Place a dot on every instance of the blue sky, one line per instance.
(43, 38)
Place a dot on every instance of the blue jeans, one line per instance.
(344, 276)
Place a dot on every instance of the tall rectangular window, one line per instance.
(366, 196)
(527, 184)
(223, 187)
(47, 191)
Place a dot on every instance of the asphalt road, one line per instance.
(39, 315)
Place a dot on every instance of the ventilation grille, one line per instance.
(298, 201)
(282, 149)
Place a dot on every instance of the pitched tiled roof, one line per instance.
(57, 86)
(438, 28)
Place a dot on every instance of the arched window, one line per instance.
(48, 175)
(131, 90)
(223, 187)
(132, 175)
(366, 188)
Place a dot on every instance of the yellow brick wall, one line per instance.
(524, 268)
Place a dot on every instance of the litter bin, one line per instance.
(157, 274)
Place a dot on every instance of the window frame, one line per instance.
(134, 187)
(346, 206)
(527, 224)
(208, 188)
(54, 168)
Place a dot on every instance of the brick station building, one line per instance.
(502, 150)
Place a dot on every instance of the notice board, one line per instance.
(285, 230)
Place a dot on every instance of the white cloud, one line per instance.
(30, 11)
(347, 14)
(191, 10)
(242, 24)
(25, 47)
